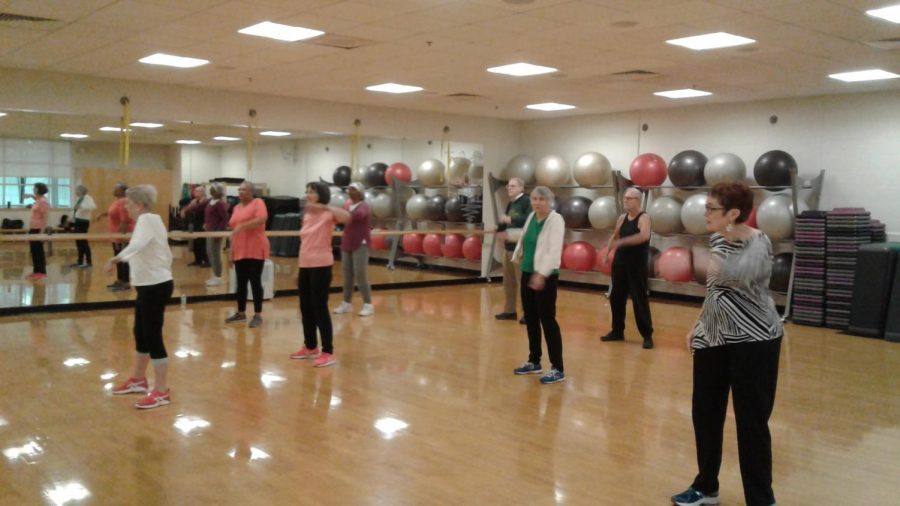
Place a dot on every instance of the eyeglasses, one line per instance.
(710, 209)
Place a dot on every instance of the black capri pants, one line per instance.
(149, 316)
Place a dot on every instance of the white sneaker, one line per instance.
(345, 307)
(214, 281)
(367, 310)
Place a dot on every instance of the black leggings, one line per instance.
(314, 284)
(122, 270)
(38, 260)
(84, 247)
(249, 270)
(149, 316)
(629, 279)
(540, 311)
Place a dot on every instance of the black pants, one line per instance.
(149, 316)
(750, 371)
(38, 260)
(122, 270)
(540, 312)
(200, 255)
(630, 280)
(84, 247)
(249, 270)
(314, 283)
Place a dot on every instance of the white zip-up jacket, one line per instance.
(548, 251)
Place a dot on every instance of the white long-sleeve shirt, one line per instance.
(548, 251)
(85, 208)
(148, 252)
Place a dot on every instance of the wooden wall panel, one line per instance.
(100, 183)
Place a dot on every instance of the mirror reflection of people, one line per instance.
(215, 220)
(355, 251)
(509, 229)
(151, 272)
(120, 223)
(84, 206)
(631, 242)
(195, 213)
(539, 252)
(736, 342)
(249, 251)
(37, 222)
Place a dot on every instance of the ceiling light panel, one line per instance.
(864, 75)
(521, 69)
(146, 125)
(711, 41)
(278, 31)
(187, 141)
(394, 88)
(168, 60)
(225, 138)
(685, 93)
(891, 13)
(274, 133)
(549, 106)
(73, 136)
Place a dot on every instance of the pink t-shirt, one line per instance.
(39, 211)
(250, 243)
(315, 239)
(118, 215)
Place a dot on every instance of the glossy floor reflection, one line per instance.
(421, 408)
(66, 285)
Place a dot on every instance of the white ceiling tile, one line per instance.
(462, 12)
(67, 11)
(358, 12)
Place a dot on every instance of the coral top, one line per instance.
(315, 239)
(118, 215)
(249, 243)
(39, 211)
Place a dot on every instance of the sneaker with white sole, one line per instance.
(344, 308)
(305, 353)
(554, 376)
(528, 368)
(214, 281)
(154, 400)
(691, 497)
(133, 385)
(367, 310)
(324, 360)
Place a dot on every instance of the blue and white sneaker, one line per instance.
(528, 368)
(691, 497)
(553, 376)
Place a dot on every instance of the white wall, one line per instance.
(854, 138)
(106, 155)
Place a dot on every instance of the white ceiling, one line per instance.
(446, 45)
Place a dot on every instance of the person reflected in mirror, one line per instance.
(249, 251)
(82, 210)
(37, 222)
(195, 214)
(215, 220)
(509, 229)
(355, 251)
(119, 223)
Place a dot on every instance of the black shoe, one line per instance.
(522, 321)
(114, 284)
(648, 343)
(193, 264)
(505, 316)
(612, 336)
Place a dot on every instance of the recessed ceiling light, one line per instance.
(110, 129)
(394, 88)
(685, 93)
(711, 41)
(280, 32)
(549, 106)
(864, 75)
(169, 60)
(187, 141)
(225, 138)
(332, 133)
(147, 125)
(2, 114)
(73, 136)
(274, 133)
(521, 69)
(891, 13)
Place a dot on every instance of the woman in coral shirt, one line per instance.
(249, 251)
(36, 224)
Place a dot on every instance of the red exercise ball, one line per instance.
(412, 244)
(453, 246)
(379, 242)
(432, 245)
(675, 264)
(471, 248)
(601, 264)
(398, 170)
(578, 256)
(648, 169)
(751, 220)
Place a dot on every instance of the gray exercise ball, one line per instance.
(381, 205)
(520, 166)
(476, 170)
(458, 170)
(592, 169)
(775, 217)
(603, 213)
(693, 214)
(724, 167)
(359, 175)
(552, 170)
(415, 207)
(431, 172)
(665, 215)
(338, 196)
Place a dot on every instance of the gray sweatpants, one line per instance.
(356, 264)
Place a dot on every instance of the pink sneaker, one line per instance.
(324, 360)
(305, 353)
(133, 385)
(154, 400)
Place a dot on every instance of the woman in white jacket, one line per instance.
(538, 252)
(150, 258)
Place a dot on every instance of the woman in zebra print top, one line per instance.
(736, 343)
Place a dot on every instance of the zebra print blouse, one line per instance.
(737, 308)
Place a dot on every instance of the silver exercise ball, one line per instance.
(415, 207)
(775, 217)
(724, 167)
(476, 170)
(359, 175)
(431, 173)
(522, 167)
(693, 214)
(592, 169)
(458, 170)
(338, 196)
(665, 215)
(603, 213)
(381, 205)
(552, 170)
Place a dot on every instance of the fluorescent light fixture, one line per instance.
(685, 93)
(549, 106)
(2, 114)
(110, 129)
(331, 133)
(76, 362)
(73, 136)
(711, 41)
(64, 493)
(278, 31)
(891, 13)
(225, 138)
(864, 75)
(521, 69)
(394, 88)
(168, 60)
(187, 141)
(274, 133)
(147, 125)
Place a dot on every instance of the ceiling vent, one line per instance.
(887, 44)
(338, 41)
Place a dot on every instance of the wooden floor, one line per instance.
(65, 285)
(421, 408)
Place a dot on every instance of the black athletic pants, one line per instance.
(249, 270)
(630, 280)
(540, 312)
(314, 284)
(84, 247)
(38, 260)
(149, 316)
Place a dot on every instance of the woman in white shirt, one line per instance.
(150, 259)
(84, 206)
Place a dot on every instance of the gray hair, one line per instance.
(143, 194)
(250, 186)
(217, 190)
(517, 180)
(543, 192)
(81, 189)
(637, 193)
